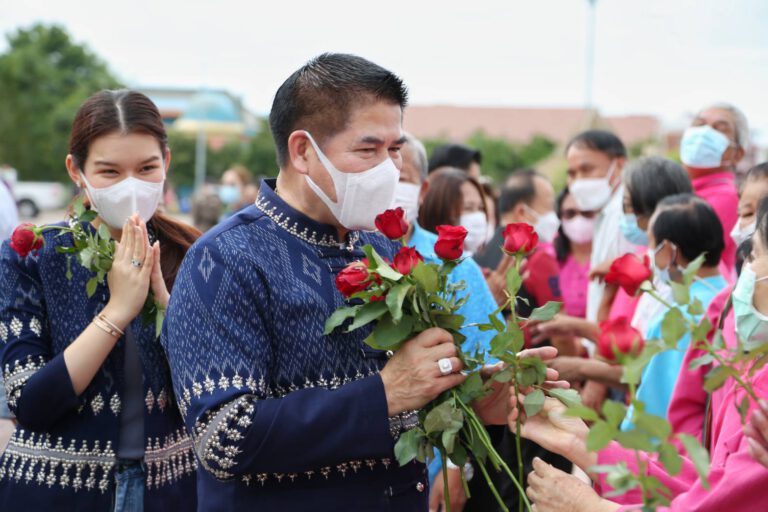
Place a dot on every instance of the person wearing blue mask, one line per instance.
(233, 190)
(682, 228)
(710, 150)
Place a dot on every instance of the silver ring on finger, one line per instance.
(445, 365)
(136, 263)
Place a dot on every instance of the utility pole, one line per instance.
(589, 70)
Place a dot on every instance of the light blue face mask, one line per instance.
(229, 194)
(702, 147)
(631, 231)
(751, 325)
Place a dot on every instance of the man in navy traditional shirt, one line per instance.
(283, 417)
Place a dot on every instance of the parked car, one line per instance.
(32, 197)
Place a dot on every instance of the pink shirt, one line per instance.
(574, 279)
(719, 190)
(729, 452)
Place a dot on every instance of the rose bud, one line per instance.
(353, 278)
(520, 238)
(392, 223)
(406, 259)
(629, 272)
(450, 242)
(24, 240)
(617, 336)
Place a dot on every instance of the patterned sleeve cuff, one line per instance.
(403, 422)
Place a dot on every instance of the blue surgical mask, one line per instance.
(702, 147)
(631, 231)
(751, 325)
(229, 194)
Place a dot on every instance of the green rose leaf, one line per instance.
(693, 267)
(534, 402)
(90, 286)
(702, 329)
(339, 317)
(744, 409)
(395, 299)
(407, 447)
(367, 314)
(670, 458)
(701, 361)
(502, 343)
(698, 455)
(673, 327)
(635, 439)
(546, 312)
(600, 435)
(656, 426)
(389, 335)
(680, 293)
(581, 411)
(696, 308)
(426, 276)
(716, 377)
(614, 412)
(443, 417)
(104, 232)
(569, 397)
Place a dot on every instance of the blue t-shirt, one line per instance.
(660, 375)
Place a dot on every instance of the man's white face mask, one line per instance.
(360, 196)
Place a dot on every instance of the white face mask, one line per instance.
(579, 230)
(407, 198)
(702, 147)
(476, 225)
(116, 203)
(591, 194)
(739, 235)
(546, 225)
(360, 196)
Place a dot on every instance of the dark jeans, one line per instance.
(129, 489)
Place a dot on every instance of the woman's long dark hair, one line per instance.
(562, 243)
(126, 112)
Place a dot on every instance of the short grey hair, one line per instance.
(739, 119)
(422, 162)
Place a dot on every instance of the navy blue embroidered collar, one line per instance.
(298, 224)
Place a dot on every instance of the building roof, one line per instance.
(519, 125)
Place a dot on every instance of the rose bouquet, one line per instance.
(409, 295)
(93, 249)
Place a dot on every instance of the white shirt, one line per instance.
(607, 244)
(9, 215)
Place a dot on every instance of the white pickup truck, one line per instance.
(32, 197)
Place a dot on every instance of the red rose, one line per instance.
(520, 238)
(450, 242)
(353, 278)
(618, 337)
(392, 223)
(629, 272)
(24, 240)
(406, 260)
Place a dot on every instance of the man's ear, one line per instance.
(300, 150)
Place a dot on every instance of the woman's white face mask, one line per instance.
(116, 203)
(476, 224)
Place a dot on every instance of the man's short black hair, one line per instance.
(599, 140)
(454, 155)
(519, 188)
(651, 179)
(692, 225)
(320, 96)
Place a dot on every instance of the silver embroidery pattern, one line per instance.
(169, 460)
(35, 327)
(352, 467)
(292, 227)
(97, 404)
(16, 326)
(115, 404)
(3, 332)
(38, 459)
(17, 376)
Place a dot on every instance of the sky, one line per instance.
(662, 57)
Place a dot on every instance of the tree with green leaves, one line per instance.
(44, 78)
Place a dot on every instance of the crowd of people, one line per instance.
(243, 403)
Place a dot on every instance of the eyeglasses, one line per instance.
(572, 212)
